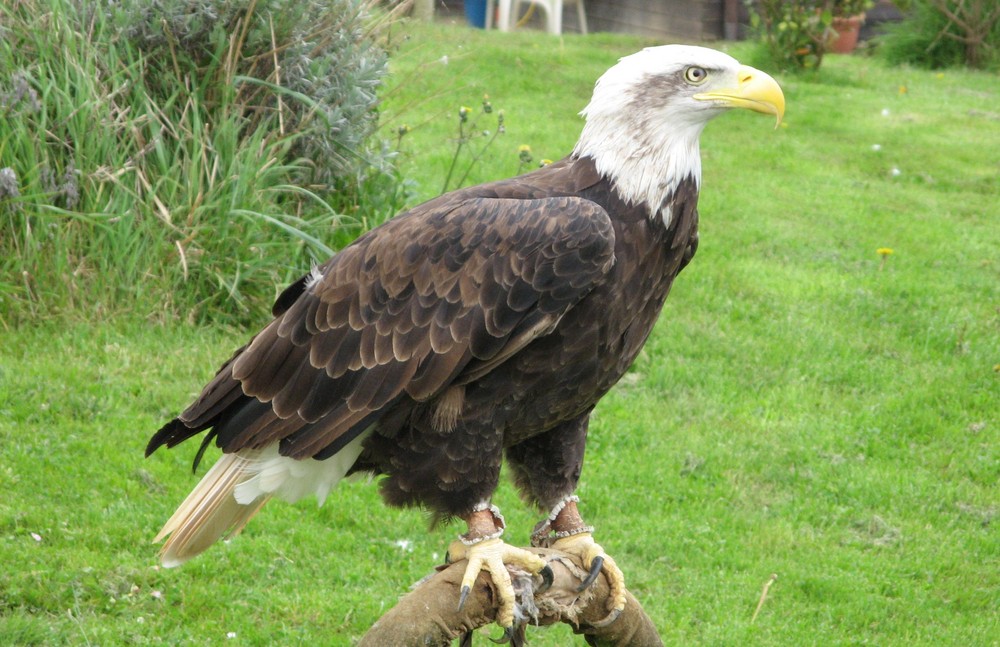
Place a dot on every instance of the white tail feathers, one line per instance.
(239, 485)
(290, 479)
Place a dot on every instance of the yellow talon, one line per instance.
(494, 555)
(596, 560)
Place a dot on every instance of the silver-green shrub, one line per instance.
(315, 61)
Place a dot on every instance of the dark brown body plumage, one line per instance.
(488, 321)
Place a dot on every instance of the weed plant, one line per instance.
(468, 135)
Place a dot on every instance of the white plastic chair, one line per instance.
(509, 10)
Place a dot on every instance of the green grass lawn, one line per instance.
(805, 407)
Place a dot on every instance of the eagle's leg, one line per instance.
(484, 550)
(547, 470)
(565, 530)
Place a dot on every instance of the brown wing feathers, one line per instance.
(401, 314)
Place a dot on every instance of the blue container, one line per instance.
(475, 13)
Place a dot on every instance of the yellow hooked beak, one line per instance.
(755, 91)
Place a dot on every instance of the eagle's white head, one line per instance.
(648, 111)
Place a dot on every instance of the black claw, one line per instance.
(463, 597)
(595, 570)
(508, 636)
(611, 617)
(547, 578)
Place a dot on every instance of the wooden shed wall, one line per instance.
(668, 20)
(687, 20)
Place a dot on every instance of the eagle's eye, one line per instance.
(695, 75)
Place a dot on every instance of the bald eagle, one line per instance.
(484, 324)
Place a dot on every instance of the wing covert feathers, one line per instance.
(436, 295)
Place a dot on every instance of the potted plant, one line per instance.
(848, 16)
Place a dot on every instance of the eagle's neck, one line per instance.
(645, 164)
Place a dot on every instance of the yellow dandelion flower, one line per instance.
(884, 252)
(524, 148)
(902, 89)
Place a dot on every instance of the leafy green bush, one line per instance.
(182, 157)
(794, 34)
(943, 33)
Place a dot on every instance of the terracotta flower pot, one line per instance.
(847, 29)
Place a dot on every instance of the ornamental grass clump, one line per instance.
(184, 157)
